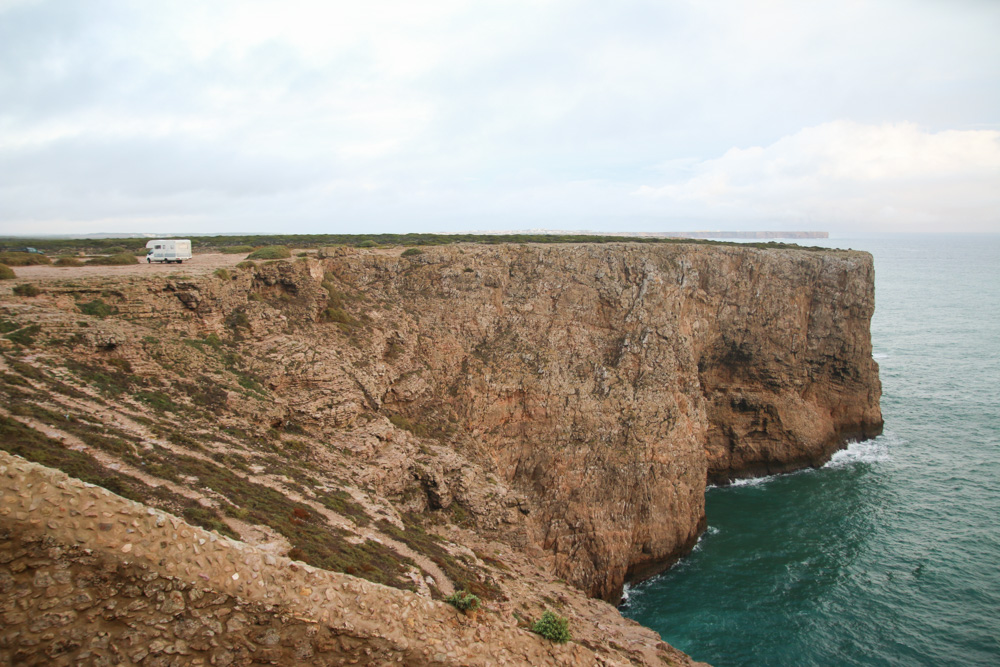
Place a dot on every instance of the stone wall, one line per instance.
(88, 577)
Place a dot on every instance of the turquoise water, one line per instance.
(889, 555)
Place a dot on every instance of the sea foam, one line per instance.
(866, 451)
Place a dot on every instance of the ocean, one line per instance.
(889, 554)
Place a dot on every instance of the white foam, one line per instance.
(754, 481)
(879, 355)
(867, 451)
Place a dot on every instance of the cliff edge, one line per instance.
(489, 418)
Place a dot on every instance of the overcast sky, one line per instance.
(393, 116)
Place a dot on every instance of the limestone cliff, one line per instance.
(607, 383)
(478, 417)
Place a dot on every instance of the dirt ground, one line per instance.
(198, 265)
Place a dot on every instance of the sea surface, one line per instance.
(890, 554)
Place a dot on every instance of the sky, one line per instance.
(304, 116)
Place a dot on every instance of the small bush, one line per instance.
(221, 274)
(367, 243)
(26, 289)
(270, 252)
(97, 308)
(552, 626)
(245, 265)
(121, 259)
(411, 252)
(6, 273)
(236, 249)
(23, 258)
(68, 261)
(463, 601)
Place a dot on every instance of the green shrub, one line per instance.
(411, 252)
(552, 626)
(463, 601)
(367, 243)
(245, 265)
(121, 259)
(270, 252)
(68, 261)
(27, 289)
(6, 273)
(97, 308)
(237, 249)
(222, 274)
(23, 258)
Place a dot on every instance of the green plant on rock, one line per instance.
(410, 252)
(26, 289)
(552, 626)
(271, 252)
(463, 601)
(6, 273)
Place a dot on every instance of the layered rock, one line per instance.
(609, 382)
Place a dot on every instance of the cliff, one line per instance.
(477, 417)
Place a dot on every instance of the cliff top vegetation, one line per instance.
(227, 242)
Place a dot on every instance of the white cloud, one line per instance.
(504, 112)
(852, 176)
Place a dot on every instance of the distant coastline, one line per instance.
(662, 235)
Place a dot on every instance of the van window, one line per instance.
(157, 247)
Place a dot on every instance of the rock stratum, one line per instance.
(535, 424)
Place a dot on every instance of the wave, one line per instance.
(866, 451)
(879, 355)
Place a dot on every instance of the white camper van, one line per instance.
(169, 250)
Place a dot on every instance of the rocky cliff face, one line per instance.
(608, 383)
(445, 419)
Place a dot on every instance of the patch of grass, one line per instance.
(158, 401)
(236, 249)
(68, 261)
(222, 274)
(23, 259)
(25, 336)
(119, 259)
(26, 289)
(419, 430)
(314, 541)
(6, 326)
(246, 265)
(553, 627)
(7, 273)
(97, 308)
(461, 574)
(340, 502)
(411, 252)
(208, 519)
(270, 252)
(107, 381)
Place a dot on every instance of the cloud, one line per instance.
(449, 114)
(851, 176)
